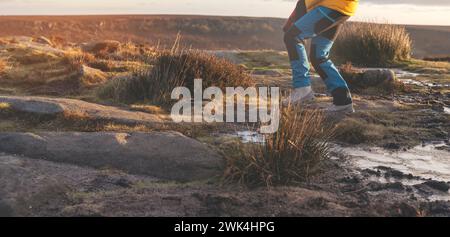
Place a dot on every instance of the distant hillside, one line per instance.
(430, 40)
(205, 32)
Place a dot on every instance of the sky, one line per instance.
(420, 12)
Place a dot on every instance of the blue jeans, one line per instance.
(321, 25)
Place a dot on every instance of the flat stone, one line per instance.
(57, 106)
(5, 209)
(375, 77)
(36, 187)
(165, 155)
(437, 185)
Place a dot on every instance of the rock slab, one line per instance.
(56, 106)
(165, 155)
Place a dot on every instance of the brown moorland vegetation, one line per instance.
(203, 32)
(288, 156)
(172, 69)
(370, 44)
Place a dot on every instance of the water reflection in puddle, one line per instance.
(250, 137)
(422, 84)
(409, 78)
(427, 161)
(399, 73)
(447, 110)
(405, 74)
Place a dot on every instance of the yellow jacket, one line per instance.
(347, 7)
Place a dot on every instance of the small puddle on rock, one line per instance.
(446, 110)
(250, 137)
(405, 74)
(430, 161)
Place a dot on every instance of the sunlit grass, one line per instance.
(288, 156)
(171, 69)
(372, 44)
(4, 106)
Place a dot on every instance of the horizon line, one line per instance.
(190, 15)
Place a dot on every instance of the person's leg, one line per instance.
(320, 51)
(299, 11)
(296, 49)
(310, 25)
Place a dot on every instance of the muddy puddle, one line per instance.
(405, 74)
(447, 110)
(413, 82)
(427, 161)
(409, 78)
(430, 161)
(249, 137)
(421, 168)
(425, 167)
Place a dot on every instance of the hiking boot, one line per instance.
(300, 96)
(340, 109)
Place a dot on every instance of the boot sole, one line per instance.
(345, 111)
(307, 99)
